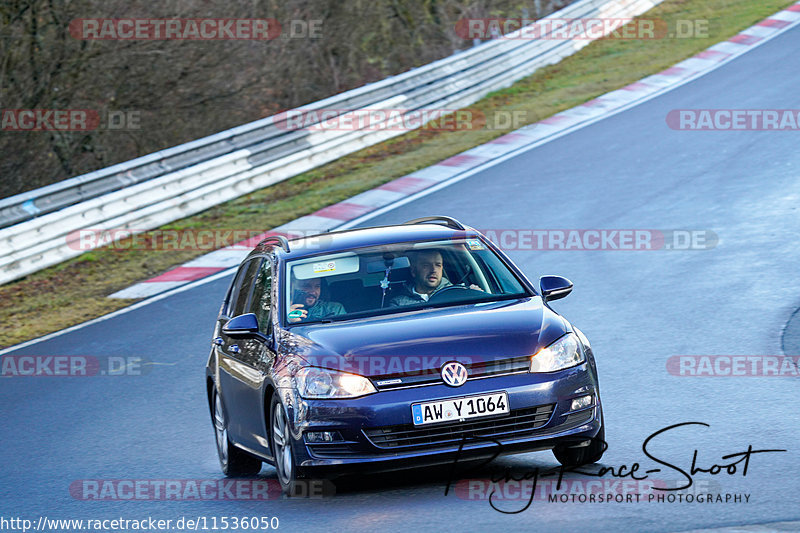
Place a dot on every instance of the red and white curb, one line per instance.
(394, 191)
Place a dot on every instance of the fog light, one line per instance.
(581, 402)
(322, 436)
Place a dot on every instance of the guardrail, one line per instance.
(39, 227)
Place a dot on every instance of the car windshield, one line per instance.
(395, 278)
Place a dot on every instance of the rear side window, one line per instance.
(243, 287)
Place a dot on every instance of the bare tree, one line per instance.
(185, 89)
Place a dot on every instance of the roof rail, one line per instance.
(282, 241)
(448, 221)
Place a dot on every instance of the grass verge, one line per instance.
(76, 290)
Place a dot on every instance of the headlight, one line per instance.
(320, 383)
(563, 353)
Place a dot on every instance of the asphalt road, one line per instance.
(638, 308)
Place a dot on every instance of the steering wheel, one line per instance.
(449, 288)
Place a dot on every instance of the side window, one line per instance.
(233, 292)
(261, 300)
(243, 287)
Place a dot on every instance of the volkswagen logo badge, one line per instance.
(454, 374)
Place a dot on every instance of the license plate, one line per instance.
(495, 403)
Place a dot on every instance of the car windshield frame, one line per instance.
(287, 286)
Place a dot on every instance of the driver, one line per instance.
(309, 305)
(427, 277)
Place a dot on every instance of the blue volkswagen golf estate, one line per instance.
(393, 347)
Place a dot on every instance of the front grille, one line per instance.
(517, 424)
(476, 370)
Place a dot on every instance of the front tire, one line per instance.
(281, 439)
(588, 454)
(233, 461)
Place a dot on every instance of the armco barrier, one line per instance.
(165, 186)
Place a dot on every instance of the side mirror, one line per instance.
(242, 327)
(554, 287)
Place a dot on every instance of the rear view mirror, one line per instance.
(554, 287)
(380, 266)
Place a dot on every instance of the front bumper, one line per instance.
(378, 434)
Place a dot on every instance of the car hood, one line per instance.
(424, 340)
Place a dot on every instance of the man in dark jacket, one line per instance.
(427, 269)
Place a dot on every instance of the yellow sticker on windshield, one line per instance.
(325, 266)
(475, 244)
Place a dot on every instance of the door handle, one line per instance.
(234, 348)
